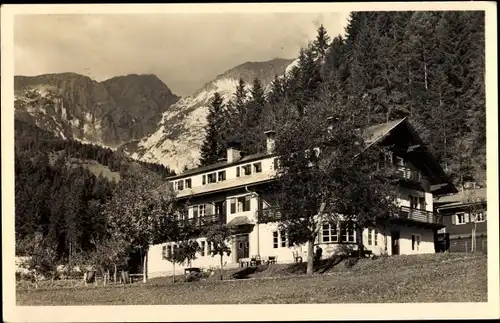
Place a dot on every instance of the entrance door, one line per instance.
(395, 242)
(242, 246)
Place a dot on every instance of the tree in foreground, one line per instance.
(326, 175)
(141, 213)
(218, 237)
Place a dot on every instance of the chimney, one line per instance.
(270, 141)
(233, 153)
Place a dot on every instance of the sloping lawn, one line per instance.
(425, 278)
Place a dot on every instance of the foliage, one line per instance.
(326, 163)
(218, 236)
(42, 261)
(213, 145)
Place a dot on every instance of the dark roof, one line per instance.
(239, 220)
(465, 197)
(218, 165)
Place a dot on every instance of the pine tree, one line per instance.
(212, 147)
(321, 43)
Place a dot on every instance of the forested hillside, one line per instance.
(426, 66)
(59, 195)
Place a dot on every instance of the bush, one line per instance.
(193, 276)
(350, 262)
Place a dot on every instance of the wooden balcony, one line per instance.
(419, 215)
(204, 221)
(409, 174)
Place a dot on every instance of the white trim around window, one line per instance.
(416, 239)
(461, 218)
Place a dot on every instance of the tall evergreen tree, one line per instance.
(212, 147)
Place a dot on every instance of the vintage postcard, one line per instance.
(252, 161)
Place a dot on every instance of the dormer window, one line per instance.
(212, 178)
(203, 179)
(180, 185)
(237, 172)
(188, 183)
(221, 176)
(247, 169)
(257, 167)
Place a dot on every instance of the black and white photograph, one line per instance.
(250, 154)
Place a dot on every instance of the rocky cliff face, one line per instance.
(136, 113)
(108, 113)
(179, 135)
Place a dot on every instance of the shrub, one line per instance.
(193, 276)
(350, 262)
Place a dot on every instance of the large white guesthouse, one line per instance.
(232, 191)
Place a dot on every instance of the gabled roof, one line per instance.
(465, 197)
(373, 135)
(377, 132)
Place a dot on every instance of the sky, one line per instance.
(185, 50)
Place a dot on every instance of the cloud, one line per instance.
(184, 50)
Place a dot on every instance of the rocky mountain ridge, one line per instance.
(109, 113)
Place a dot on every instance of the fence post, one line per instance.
(465, 246)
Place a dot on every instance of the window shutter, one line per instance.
(233, 205)
(209, 209)
(454, 219)
(195, 211)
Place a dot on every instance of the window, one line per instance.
(348, 234)
(246, 203)
(222, 176)
(460, 218)
(257, 167)
(183, 214)
(388, 157)
(375, 237)
(415, 242)
(329, 233)
(164, 252)
(481, 216)
(195, 211)
(275, 239)
(275, 163)
(284, 239)
(203, 180)
(188, 183)
(370, 238)
(201, 210)
(212, 178)
(421, 203)
(180, 185)
(237, 172)
(247, 169)
(203, 248)
(233, 205)
(413, 202)
(209, 247)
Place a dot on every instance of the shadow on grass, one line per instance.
(246, 272)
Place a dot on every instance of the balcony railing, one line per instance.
(205, 220)
(408, 173)
(419, 215)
